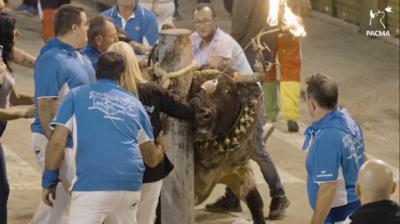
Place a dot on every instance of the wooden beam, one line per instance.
(177, 195)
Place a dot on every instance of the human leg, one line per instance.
(290, 59)
(270, 95)
(149, 195)
(4, 188)
(45, 214)
(125, 210)
(279, 201)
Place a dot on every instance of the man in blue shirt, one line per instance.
(335, 154)
(109, 161)
(101, 34)
(59, 68)
(139, 23)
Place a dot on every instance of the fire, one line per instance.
(272, 19)
(290, 21)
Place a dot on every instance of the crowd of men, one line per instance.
(87, 81)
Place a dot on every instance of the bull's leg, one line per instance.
(242, 183)
(256, 206)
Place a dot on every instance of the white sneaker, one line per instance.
(268, 128)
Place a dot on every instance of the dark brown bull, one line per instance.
(224, 136)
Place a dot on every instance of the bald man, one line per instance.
(374, 187)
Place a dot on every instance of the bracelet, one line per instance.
(50, 178)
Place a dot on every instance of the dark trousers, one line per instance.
(4, 188)
(30, 2)
(53, 4)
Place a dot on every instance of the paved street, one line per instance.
(367, 71)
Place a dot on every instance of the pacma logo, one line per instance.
(378, 15)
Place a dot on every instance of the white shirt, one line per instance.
(222, 45)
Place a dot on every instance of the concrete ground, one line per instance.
(367, 71)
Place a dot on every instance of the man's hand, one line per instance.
(140, 48)
(30, 112)
(210, 86)
(163, 140)
(47, 193)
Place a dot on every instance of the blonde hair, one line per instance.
(132, 76)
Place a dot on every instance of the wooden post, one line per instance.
(177, 195)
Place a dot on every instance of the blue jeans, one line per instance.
(263, 159)
(4, 188)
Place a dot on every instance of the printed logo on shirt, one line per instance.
(354, 145)
(324, 173)
(114, 107)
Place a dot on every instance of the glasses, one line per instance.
(204, 22)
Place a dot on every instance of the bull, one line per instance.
(225, 137)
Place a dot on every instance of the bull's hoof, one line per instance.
(277, 208)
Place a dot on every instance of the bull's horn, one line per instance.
(247, 78)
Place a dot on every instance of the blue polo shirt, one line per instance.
(92, 53)
(336, 154)
(108, 125)
(143, 25)
(59, 68)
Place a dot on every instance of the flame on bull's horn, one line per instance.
(293, 23)
(290, 20)
(272, 19)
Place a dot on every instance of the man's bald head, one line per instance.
(375, 181)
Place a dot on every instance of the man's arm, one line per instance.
(151, 33)
(14, 113)
(54, 156)
(47, 108)
(22, 58)
(152, 153)
(17, 99)
(218, 62)
(325, 197)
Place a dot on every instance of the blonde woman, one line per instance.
(155, 100)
